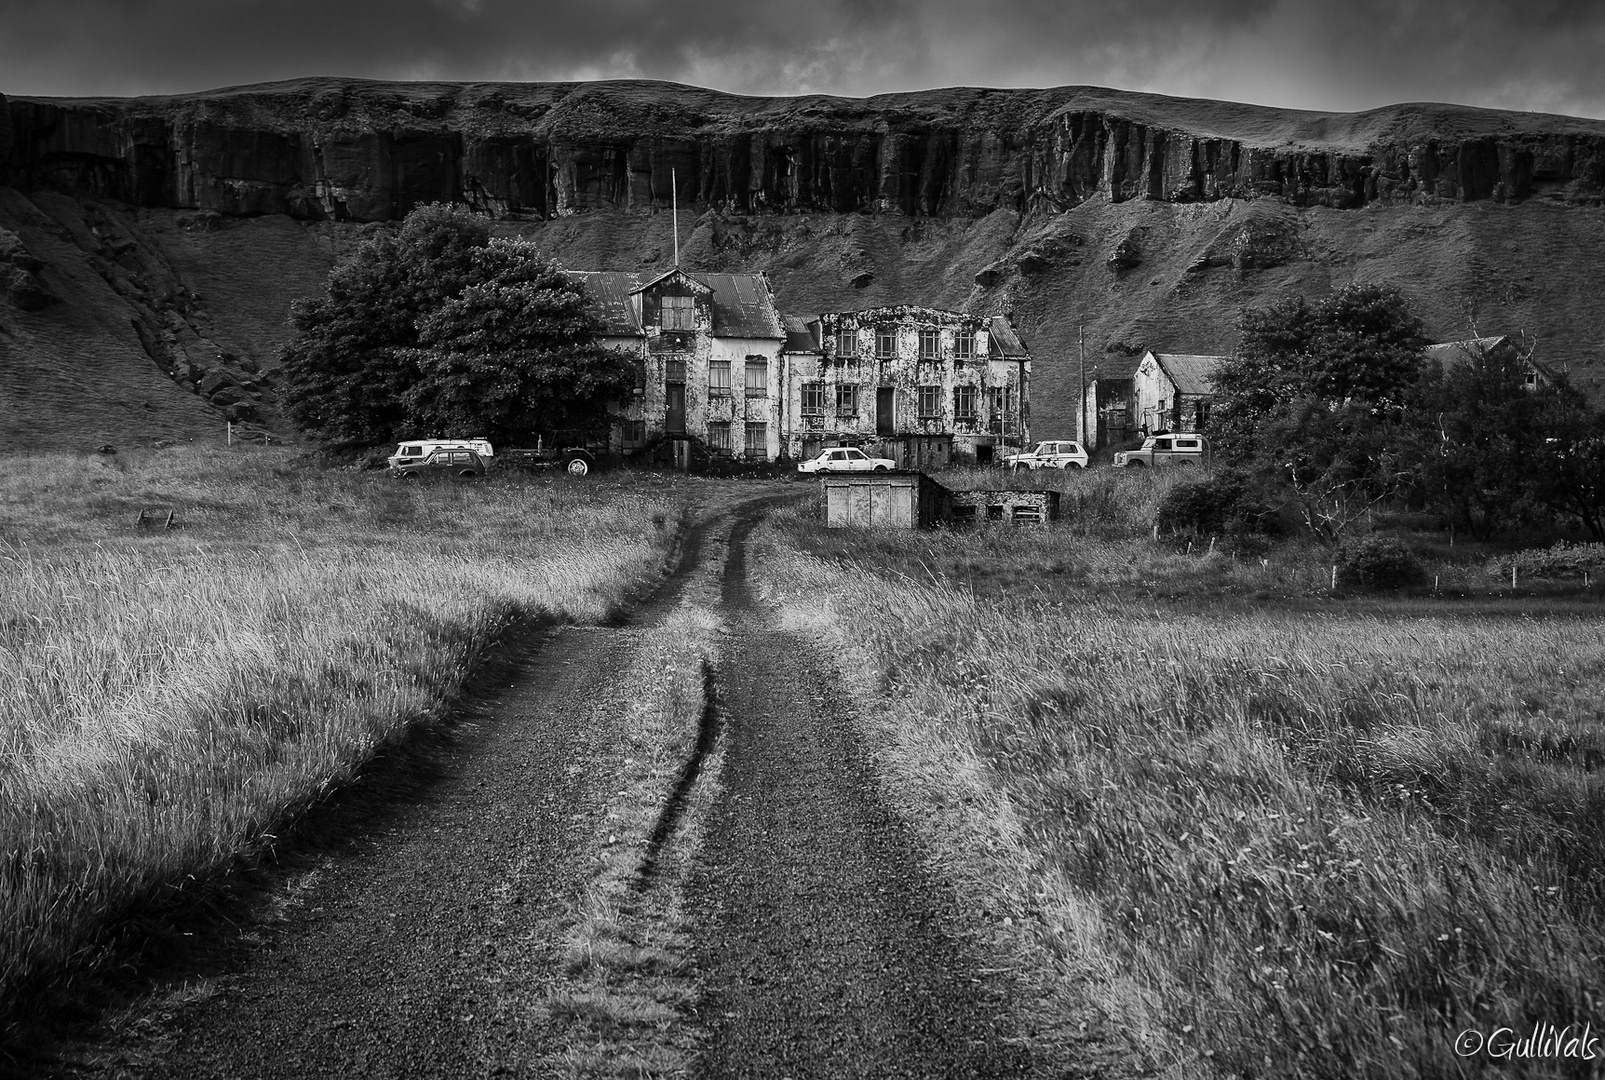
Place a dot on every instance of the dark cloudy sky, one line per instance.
(1543, 55)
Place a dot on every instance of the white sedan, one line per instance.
(846, 459)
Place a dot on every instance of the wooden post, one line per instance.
(230, 427)
(1334, 577)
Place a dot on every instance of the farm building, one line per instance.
(1172, 391)
(1453, 354)
(711, 344)
(1107, 407)
(924, 385)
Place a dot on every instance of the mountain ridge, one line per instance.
(1148, 221)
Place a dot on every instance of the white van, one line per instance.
(419, 449)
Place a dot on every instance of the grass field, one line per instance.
(1258, 828)
(172, 700)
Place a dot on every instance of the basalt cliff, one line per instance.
(151, 246)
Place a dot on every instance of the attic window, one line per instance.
(679, 313)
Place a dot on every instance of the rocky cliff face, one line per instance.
(350, 150)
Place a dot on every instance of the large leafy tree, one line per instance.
(1312, 402)
(435, 328)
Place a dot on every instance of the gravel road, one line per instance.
(423, 943)
(827, 949)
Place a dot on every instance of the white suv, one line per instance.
(1055, 454)
(1160, 450)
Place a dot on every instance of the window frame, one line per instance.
(886, 343)
(760, 387)
(715, 429)
(964, 395)
(716, 387)
(685, 309)
(846, 399)
(762, 428)
(933, 338)
(930, 393)
(963, 346)
(843, 337)
(814, 389)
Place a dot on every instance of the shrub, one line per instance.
(1219, 504)
(1377, 562)
(1564, 560)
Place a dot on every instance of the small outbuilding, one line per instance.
(889, 500)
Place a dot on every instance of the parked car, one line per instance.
(418, 449)
(846, 459)
(1161, 450)
(574, 460)
(457, 464)
(1053, 454)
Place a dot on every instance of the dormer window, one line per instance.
(679, 313)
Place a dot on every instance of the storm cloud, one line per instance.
(1536, 55)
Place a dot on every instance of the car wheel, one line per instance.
(468, 474)
(577, 467)
(1136, 464)
(880, 468)
(1079, 465)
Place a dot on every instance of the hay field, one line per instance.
(1238, 826)
(172, 700)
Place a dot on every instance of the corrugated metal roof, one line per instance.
(612, 289)
(742, 303)
(743, 306)
(1453, 354)
(1007, 339)
(1190, 374)
(801, 333)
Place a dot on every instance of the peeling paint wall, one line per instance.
(1017, 507)
(887, 355)
(1156, 404)
(688, 359)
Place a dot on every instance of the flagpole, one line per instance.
(674, 202)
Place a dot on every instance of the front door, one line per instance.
(884, 397)
(674, 422)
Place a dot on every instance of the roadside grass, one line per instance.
(1263, 839)
(172, 700)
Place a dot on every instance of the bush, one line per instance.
(1377, 562)
(1564, 560)
(1221, 504)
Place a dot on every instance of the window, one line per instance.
(998, 407)
(964, 403)
(719, 378)
(885, 342)
(846, 344)
(963, 345)
(635, 433)
(930, 401)
(719, 435)
(757, 440)
(757, 377)
(846, 400)
(674, 371)
(813, 398)
(679, 313)
(929, 340)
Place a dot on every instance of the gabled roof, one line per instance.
(1189, 373)
(1452, 354)
(742, 303)
(1007, 339)
(673, 272)
(802, 333)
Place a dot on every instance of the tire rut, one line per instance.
(827, 948)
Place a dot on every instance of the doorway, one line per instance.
(674, 421)
(885, 424)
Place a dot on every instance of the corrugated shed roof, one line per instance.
(743, 306)
(1007, 339)
(1453, 354)
(1189, 373)
(742, 303)
(612, 289)
(801, 333)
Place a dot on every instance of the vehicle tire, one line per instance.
(468, 474)
(1136, 464)
(880, 468)
(1078, 465)
(577, 467)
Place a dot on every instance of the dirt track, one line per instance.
(423, 945)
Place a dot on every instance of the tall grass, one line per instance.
(1277, 844)
(169, 701)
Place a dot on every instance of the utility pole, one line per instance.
(674, 203)
(1081, 349)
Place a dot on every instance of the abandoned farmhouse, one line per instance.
(725, 368)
